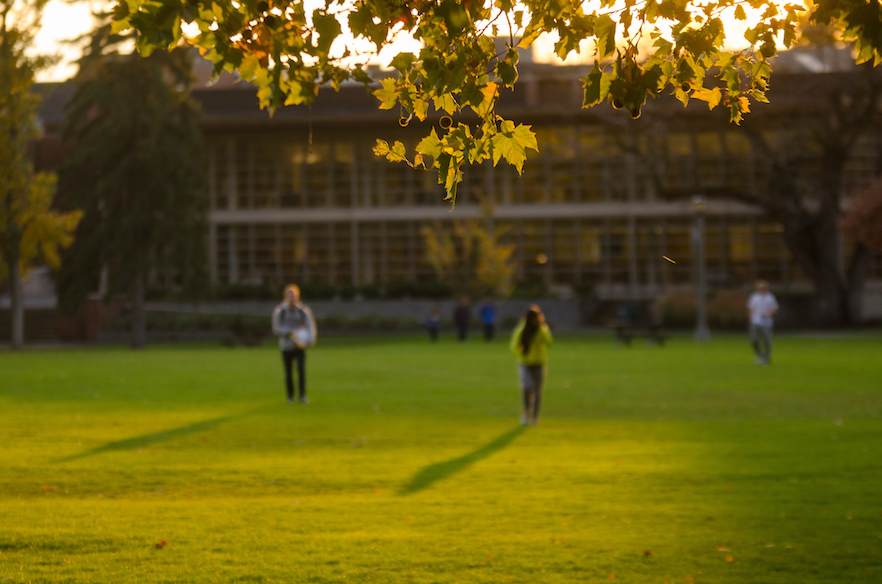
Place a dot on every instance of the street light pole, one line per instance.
(699, 208)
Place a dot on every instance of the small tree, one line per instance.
(863, 220)
(30, 230)
(470, 258)
(137, 171)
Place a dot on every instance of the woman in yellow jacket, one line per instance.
(529, 342)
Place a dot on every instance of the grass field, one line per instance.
(684, 464)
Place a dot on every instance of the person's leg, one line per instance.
(767, 344)
(287, 358)
(301, 374)
(433, 334)
(537, 375)
(492, 331)
(754, 342)
(488, 332)
(463, 332)
(526, 393)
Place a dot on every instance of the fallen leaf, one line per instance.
(770, 545)
(723, 549)
(689, 580)
(612, 576)
(730, 559)
(648, 553)
(161, 545)
(48, 488)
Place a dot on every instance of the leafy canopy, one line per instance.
(641, 48)
(137, 170)
(31, 231)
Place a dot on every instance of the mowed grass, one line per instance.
(684, 464)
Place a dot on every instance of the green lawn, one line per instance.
(683, 464)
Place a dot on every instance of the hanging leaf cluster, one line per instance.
(640, 49)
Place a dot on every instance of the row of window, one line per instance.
(573, 165)
(640, 252)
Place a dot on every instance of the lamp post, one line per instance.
(699, 208)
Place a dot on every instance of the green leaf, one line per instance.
(507, 73)
(488, 98)
(596, 86)
(328, 29)
(361, 23)
(605, 31)
(445, 103)
(388, 93)
(430, 146)
(403, 61)
(711, 96)
(511, 143)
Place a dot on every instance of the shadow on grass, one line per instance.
(441, 470)
(149, 439)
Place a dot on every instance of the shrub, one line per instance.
(678, 309)
(728, 310)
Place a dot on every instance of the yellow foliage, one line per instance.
(43, 231)
(469, 257)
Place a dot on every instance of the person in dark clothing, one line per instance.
(462, 316)
(433, 324)
(294, 324)
(488, 319)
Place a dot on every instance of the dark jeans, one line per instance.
(462, 331)
(532, 383)
(489, 332)
(288, 359)
(433, 333)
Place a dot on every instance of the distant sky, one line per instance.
(62, 21)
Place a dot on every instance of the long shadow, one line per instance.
(165, 435)
(441, 470)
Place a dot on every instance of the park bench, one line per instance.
(634, 320)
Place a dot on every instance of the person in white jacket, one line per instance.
(294, 324)
(762, 306)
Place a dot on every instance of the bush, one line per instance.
(678, 309)
(728, 310)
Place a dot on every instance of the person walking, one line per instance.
(433, 324)
(529, 343)
(294, 324)
(462, 316)
(762, 306)
(488, 319)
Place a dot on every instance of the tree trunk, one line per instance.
(857, 275)
(139, 327)
(16, 305)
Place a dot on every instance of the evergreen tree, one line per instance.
(136, 169)
(30, 230)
